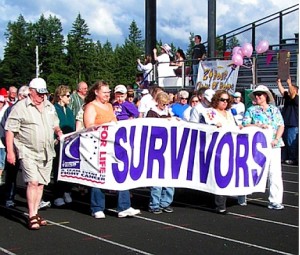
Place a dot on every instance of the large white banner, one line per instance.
(218, 74)
(159, 152)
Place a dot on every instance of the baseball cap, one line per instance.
(39, 85)
(3, 92)
(237, 94)
(208, 94)
(145, 91)
(120, 89)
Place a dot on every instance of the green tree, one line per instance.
(127, 55)
(17, 67)
(50, 42)
(78, 55)
(106, 62)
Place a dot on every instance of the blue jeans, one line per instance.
(195, 74)
(98, 200)
(2, 158)
(290, 137)
(11, 180)
(161, 197)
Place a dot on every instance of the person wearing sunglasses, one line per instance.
(31, 123)
(194, 100)
(205, 95)
(179, 107)
(160, 197)
(220, 115)
(62, 190)
(265, 115)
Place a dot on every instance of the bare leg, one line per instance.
(34, 194)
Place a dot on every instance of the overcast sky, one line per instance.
(110, 20)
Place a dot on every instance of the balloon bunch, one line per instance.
(238, 53)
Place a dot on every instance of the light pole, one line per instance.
(211, 42)
(37, 65)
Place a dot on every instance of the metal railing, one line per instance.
(254, 25)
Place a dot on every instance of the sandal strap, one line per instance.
(41, 220)
(33, 221)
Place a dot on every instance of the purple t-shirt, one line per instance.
(125, 110)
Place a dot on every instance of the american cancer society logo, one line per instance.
(80, 157)
(71, 153)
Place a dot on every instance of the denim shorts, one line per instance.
(2, 158)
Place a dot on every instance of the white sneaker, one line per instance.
(59, 201)
(67, 197)
(274, 206)
(44, 204)
(129, 212)
(99, 215)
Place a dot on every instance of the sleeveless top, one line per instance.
(104, 116)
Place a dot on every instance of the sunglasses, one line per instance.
(258, 94)
(183, 98)
(165, 104)
(68, 96)
(224, 100)
(195, 101)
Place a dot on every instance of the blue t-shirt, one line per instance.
(178, 109)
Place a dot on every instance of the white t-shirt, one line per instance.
(145, 69)
(197, 112)
(146, 103)
(240, 111)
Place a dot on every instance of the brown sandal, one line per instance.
(41, 220)
(33, 223)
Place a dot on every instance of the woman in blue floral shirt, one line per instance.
(267, 116)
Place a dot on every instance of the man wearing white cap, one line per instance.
(146, 103)
(238, 108)
(30, 130)
(199, 109)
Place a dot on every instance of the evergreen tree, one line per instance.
(50, 42)
(17, 67)
(127, 55)
(78, 46)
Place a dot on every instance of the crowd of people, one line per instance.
(32, 125)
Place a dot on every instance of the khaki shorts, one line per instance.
(36, 170)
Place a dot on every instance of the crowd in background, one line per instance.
(32, 122)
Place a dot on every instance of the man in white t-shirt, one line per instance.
(238, 108)
(146, 103)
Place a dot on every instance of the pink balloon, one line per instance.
(262, 46)
(237, 59)
(237, 50)
(247, 50)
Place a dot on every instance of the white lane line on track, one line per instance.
(6, 251)
(214, 236)
(284, 172)
(100, 238)
(263, 220)
(285, 205)
(97, 237)
(291, 182)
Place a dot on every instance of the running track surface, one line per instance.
(193, 228)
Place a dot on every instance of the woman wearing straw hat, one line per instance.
(267, 116)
